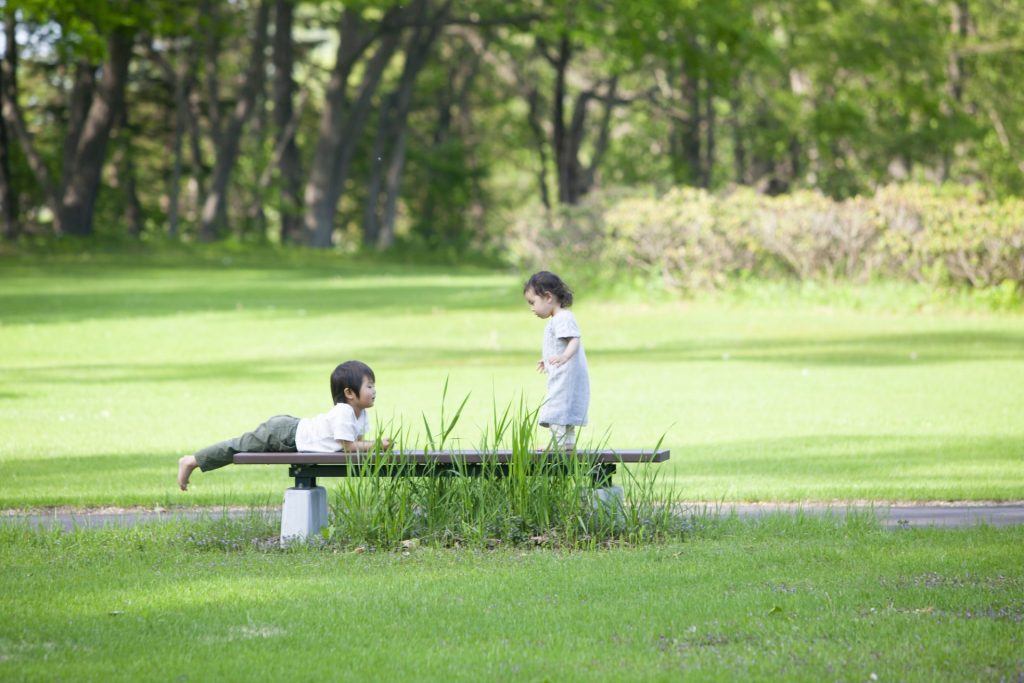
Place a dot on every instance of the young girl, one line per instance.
(565, 406)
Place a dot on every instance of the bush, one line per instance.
(531, 502)
(690, 239)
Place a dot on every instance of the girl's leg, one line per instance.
(563, 437)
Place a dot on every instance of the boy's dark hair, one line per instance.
(544, 282)
(349, 375)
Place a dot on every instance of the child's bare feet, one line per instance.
(186, 464)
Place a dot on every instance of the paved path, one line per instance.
(894, 516)
(902, 515)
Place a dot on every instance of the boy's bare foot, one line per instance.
(186, 464)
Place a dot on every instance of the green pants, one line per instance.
(276, 435)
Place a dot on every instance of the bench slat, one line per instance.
(440, 457)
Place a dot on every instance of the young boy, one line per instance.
(353, 391)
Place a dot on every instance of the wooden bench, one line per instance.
(305, 504)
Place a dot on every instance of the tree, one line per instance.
(286, 120)
(575, 31)
(97, 101)
(227, 136)
(342, 122)
(8, 197)
(392, 128)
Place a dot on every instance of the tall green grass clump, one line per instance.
(528, 501)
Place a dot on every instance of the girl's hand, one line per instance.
(540, 366)
(556, 361)
(385, 443)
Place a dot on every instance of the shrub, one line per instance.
(531, 502)
(691, 239)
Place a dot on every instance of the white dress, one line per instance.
(568, 384)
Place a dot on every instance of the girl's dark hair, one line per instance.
(544, 282)
(349, 375)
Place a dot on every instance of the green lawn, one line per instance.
(114, 366)
(792, 599)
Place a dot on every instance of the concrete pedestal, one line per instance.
(609, 501)
(304, 513)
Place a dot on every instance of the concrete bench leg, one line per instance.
(610, 501)
(304, 513)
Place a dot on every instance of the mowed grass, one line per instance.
(113, 366)
(780, 599)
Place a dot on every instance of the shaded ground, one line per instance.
(890, 515)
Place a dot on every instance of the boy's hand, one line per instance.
(540, 366)
(385, 443)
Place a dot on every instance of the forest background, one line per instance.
(682, 141)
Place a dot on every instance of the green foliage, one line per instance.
(532, 502)
(690, 239)
(838, 98)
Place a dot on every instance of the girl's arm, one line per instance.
(566, 356)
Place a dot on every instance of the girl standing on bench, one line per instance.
(353, 390)
(563, 359)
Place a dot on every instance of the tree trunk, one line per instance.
(78, 108)
(708, 163)
(214, 215)
(199, 167)
(601, 146)
(180, 124)
(341, 126)
(8, 198)
(371, 210)
(539, 138)
(180, 84)
(416, 54)
(573, 169)
(290, 164)
(14, 119)
(354, 39)
(690, 134)
(559, 133)
(212, 56)
(82, 179)
(468, 70)
(392, 187)
(739, 149)
(125, 177)
(956, 68)
(574, 181)
(255, 211)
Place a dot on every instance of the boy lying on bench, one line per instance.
(353, 391)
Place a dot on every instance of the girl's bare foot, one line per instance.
(186, 464)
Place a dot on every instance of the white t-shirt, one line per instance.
(322, 434)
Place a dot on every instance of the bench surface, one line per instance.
(443, 457)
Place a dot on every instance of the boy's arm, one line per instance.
(360, 445)
(355, 428)
(570, 350)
